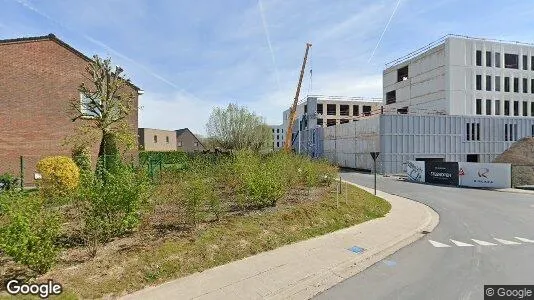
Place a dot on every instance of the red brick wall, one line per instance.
(38, 79)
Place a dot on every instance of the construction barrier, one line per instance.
(484, 175)
(491, 175)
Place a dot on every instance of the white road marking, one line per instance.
(483, 243)
(505, 242)
(437, 244)
(461, 244)
(524, 240)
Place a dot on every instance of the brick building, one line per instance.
(150, 139)
(39, 77)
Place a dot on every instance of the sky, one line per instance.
(192, 56)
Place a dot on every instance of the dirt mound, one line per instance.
(521, 156)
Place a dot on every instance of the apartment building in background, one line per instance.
(168, 140)
(40, 77)
(278, 136)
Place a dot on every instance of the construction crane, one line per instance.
(292, 112)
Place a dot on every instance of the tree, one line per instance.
(105, 105)
(236, 128)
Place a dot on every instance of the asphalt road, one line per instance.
(424, 271)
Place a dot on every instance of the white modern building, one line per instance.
(457, 99)
(278, 136)
(459, 75)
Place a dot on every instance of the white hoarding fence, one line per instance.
(490, 175)
(416, 170)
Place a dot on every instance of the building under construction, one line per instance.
(457, 99)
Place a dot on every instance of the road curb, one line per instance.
(320, 283)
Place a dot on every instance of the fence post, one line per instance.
(21, 172)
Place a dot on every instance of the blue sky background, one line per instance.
(190, 56)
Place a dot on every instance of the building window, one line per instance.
(478, 107)
(525, 62)
(273, 130)
(344, 110)
(497, 107)
(277, 130)
(525, 85)
(516, 85)
(155, 138)
(479, 58)
(277, 144)
(511, 61)
(366, 110)
(488, 107)
(320, 108)
(472, 157)
(507, 84)
(305, 108)
(402, 74)
(391, 97)
(320, 122)
(88, 107)
(510, 132)
(479, 82)
(472, 131)
(355, 110)
(525, 108)
(331, 109)
(488, 59)
(343, 121)
(516, 108)
(506, 107)
(532, 86)
(277, 137)
(167, 139)
(195, 144)
(497, 83)
(330, 122)
(497, 59)
(532, 109)
(488, 82)
(179, 144)
(532, 63)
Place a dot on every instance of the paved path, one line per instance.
(301, 270)
(484, 237)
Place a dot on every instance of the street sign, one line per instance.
(374, 155)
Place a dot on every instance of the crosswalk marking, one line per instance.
(461, 244)
(483, 243)
(506, 242)
(437, 244)
(524, 240)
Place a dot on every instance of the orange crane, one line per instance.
(292, 112)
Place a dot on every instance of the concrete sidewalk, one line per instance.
(304, 269)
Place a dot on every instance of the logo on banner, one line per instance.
(461, 173)
(482, 172)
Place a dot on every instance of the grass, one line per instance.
(216, 243)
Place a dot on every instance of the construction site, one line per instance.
(435, 107)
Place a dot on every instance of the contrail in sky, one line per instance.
(27, 5)
(268, 37)
(385, 28)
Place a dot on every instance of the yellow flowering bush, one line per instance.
(60, 176)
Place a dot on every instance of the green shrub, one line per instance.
(200, 193)
(8, 182)
(260, 185)
(82, 158)
(60, 176)
(28, 232)
(112, 203)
